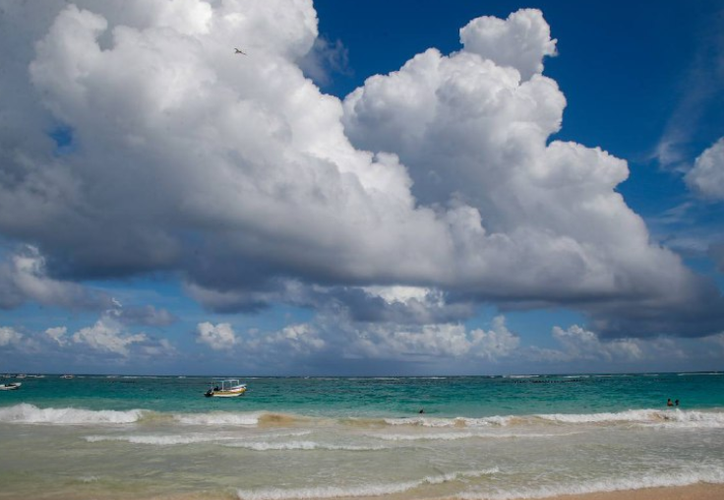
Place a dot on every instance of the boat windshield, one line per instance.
(224, 385)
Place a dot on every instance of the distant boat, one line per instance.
(229, 388)
(67, 376)
(10, 387)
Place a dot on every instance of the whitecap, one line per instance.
(30, 414)
(219, 418)
(368, 490)
(710, 475)
(670, 417)
(301, 445)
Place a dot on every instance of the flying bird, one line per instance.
(238, 51)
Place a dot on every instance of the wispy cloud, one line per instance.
(703, 84)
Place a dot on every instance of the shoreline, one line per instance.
(700, 491)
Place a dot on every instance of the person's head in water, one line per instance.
(422, 410)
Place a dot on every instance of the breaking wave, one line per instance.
(219, 418)
(181, 439)
(301, 445)
(713, 475)
(678, 418)
(450, 422)
(29, 414)
(454, 436)
(668, 417)
(25, 413)
(158, 440)
(369, 490)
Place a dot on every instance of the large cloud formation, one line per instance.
(137, 141)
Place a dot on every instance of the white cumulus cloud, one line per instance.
(108, 336)
(57, 333)
(240, 175)
(218, 337)
(707, 176)
(9, 336)
(579, 343)
(521, 41)
(497, 343)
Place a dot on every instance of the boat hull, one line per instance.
(231, 392)
(225, 394)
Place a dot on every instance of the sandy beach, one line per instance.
(704, 491)
(694, 492)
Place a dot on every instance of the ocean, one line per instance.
(497, 438)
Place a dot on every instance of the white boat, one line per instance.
(10, 387)
(228, 388)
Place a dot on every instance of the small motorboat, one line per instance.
(10, 387)
(229, 388)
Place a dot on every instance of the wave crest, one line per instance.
(219, 418)
(371, 490)
(25, 413)
(713, 476)
(676, 417)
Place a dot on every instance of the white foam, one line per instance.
(590, 418)
(450, 422)
(486, 422)
(159, 440)
(699, 419)
(453, 436)
(301, 445)
(283, 434)
(219, 418)
(711, 475)
(369, 490)
(29, 414)
(666, 417)
(422, 421)
(670, 417)
(181, 439)
(423, 437)
(88, 479)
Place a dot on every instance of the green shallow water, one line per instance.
(381, 396)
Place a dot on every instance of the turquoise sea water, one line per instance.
(478, 438)
(381, 396)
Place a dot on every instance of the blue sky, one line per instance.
(408, 187)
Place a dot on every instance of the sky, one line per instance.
(408, 187)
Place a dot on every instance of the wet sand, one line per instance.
(694, 492)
